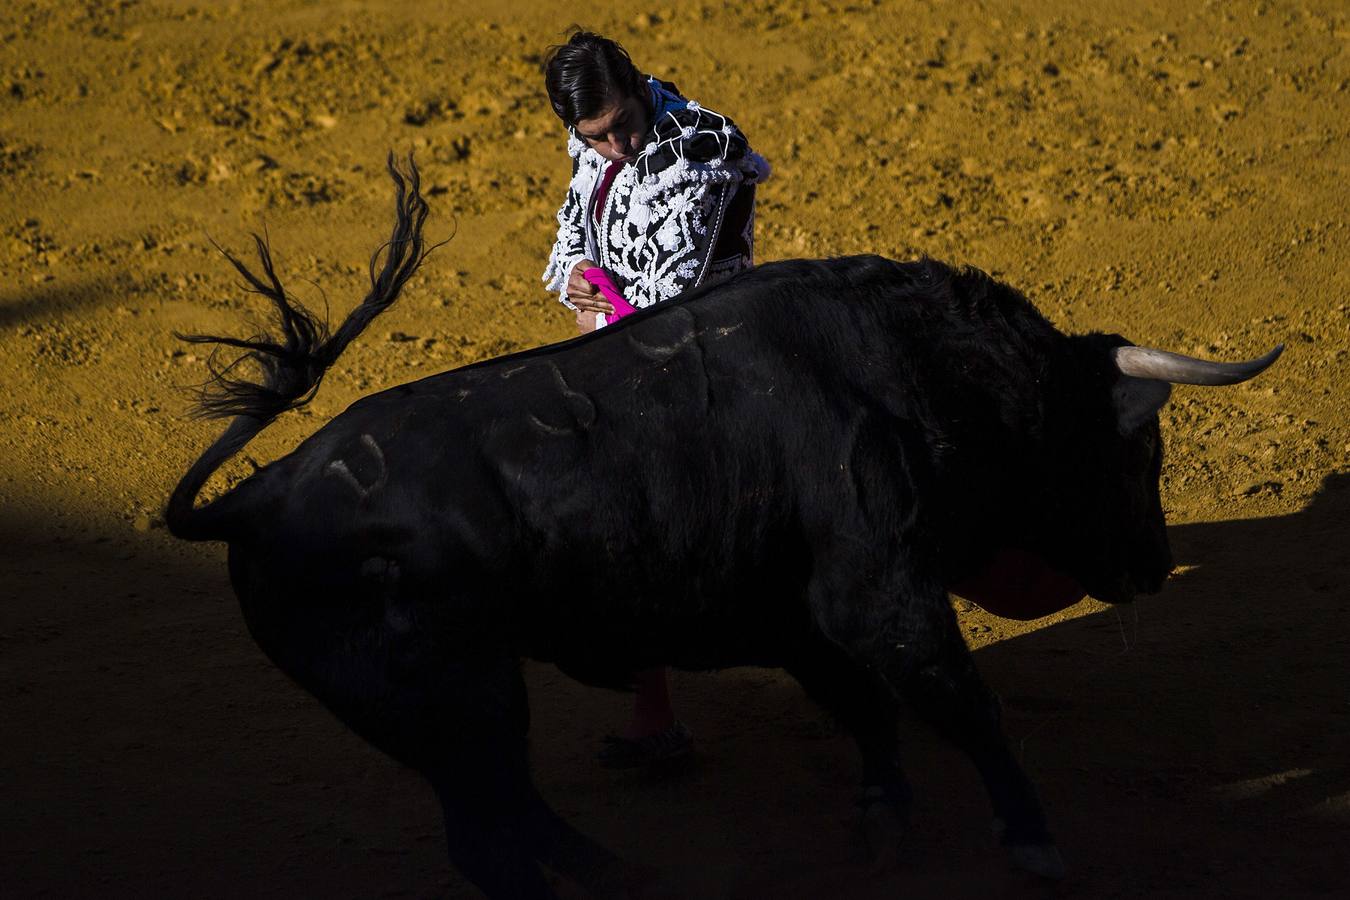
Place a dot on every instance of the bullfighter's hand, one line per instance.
(584, 295)
(585, 321)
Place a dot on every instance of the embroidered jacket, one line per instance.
(680, 214)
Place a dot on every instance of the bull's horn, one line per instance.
(1161, 365)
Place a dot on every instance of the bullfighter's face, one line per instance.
(618, 132)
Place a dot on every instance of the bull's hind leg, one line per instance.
(903, 627)
(498, 828)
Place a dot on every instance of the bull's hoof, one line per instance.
(1042, 860)
(884, 826)
(628, 881)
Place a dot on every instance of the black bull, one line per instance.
(784, 469)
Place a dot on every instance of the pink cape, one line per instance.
(600, 278)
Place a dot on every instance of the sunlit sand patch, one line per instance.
(1335, 808)
(1295, 792)
(1252, 788)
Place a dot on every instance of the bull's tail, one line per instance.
(292, 365)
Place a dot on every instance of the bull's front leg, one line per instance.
(900, 624)
(864, 706)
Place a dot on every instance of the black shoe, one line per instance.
(675, 742)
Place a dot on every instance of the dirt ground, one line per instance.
(1175, 172)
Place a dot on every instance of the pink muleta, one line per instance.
(600, 278)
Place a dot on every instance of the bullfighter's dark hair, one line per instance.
(588, 74)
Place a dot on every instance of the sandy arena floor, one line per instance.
(1178, 174)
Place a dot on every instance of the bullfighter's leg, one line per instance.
(903, 626)
(652, 712)
(865, 707)
(498, 827)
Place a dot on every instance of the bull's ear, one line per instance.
(1137, 400)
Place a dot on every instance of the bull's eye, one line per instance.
(1153, 448)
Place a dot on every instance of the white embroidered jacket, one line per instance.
(668, 219)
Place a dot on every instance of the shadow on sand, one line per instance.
(55, 299)
(1216, 716)
(1196, 747)
(1246, 652)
